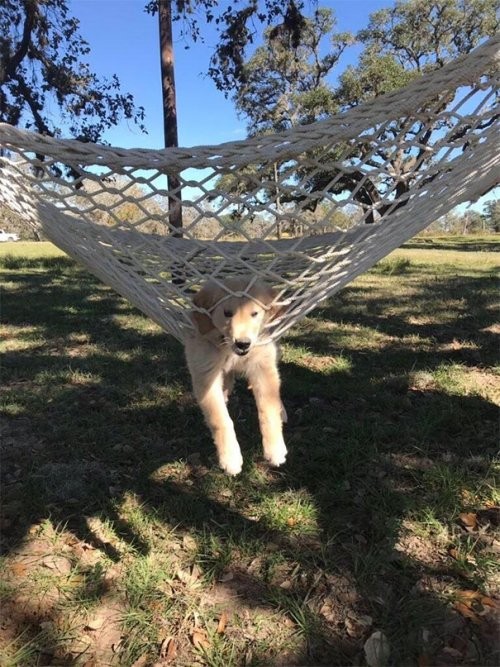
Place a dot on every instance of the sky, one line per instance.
(124, 41)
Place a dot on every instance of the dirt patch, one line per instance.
(43, 578)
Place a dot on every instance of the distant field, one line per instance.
(124, 545)
(30, 249)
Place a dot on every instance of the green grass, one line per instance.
(121, 536)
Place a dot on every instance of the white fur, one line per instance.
(213, 361)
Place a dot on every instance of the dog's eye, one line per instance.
(228, 313)
(255, 313)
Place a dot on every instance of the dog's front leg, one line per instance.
(212, 402)
(204, 362)
(265, 383)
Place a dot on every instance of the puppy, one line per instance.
(225, 343)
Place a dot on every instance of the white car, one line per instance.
(8, 236)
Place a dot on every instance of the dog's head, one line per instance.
(238, 319)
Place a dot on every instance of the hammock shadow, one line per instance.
(87, 440)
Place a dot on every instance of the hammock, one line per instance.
(306, 210)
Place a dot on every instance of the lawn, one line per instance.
(377, 543)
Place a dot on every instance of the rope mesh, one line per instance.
(306, 210)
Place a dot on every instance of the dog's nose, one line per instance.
(243, 344)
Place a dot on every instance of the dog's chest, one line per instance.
(258, 357)
(235, 364)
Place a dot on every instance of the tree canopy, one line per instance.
(284, 85)
(491, 215)
(238, 25)
(413, 37)
(42, 62)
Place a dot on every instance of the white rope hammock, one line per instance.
(383, 171)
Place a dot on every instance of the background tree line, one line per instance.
(468, 222)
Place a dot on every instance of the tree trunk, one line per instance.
(169, 109)
(278, 202)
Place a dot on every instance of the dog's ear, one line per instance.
(205, 298)
(267, 294)
(275, 310)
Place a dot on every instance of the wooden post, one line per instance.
(169, 107)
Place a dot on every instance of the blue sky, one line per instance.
(124, 41)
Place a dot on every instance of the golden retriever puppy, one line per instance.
(226, 343)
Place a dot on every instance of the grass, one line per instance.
(123, 543)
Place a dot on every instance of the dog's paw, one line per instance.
(231, 463)
(276, 455)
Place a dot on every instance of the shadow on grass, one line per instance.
(90, 425)
(441, 309)
(467, 245)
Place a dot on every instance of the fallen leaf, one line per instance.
(488, 602)
(255, 565)
(184, 576)
(19, 569)
(291, 521)
(468, 596)
(473, 605)
(352, 627)
(168, 649)
(377, 650)
(468, 520)
(200, 639)
(327, 612)
(365, 620)
(189, 542)
(95, 623)
(357, 625)
(59, 564)
(221, 626)
(116, 647)
(466, 611)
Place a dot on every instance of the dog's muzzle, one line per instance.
(242, 346)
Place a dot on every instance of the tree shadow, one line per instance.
(469, 245)
(370, 452)
(442, 310)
